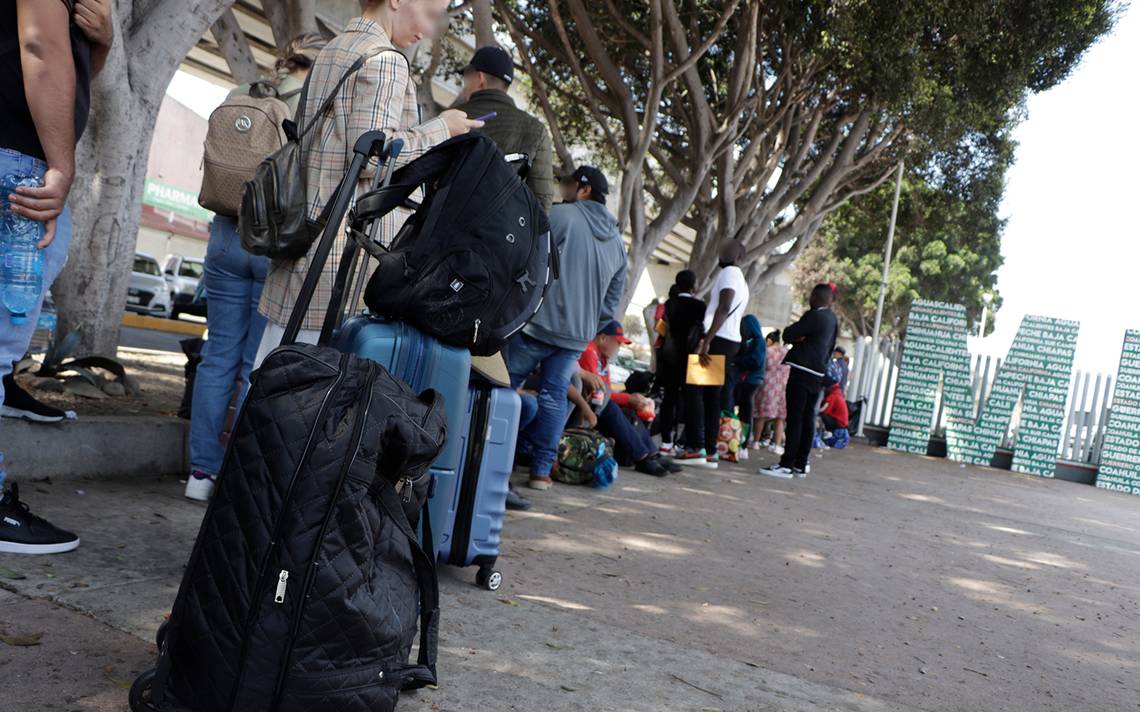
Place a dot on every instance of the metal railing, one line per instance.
(874, 377)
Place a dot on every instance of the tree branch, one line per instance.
(234, 46)
(718, 28)
(540, 91)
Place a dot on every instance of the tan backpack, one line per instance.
(242, 132)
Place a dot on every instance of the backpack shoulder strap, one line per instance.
(328, 102)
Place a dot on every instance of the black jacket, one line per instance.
(813, 341)
(685, 317)
(515, 131)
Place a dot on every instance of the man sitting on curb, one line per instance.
(632, 442)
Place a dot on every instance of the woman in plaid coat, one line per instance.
(381, 95)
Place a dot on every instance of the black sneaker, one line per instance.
(650, 466)
(516, 501)
(22, 532)
(18, 403)
(667, 462)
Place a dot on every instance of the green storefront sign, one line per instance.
(177, 200)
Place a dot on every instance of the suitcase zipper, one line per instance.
(282, 583)
(259, 593)
(310, 571)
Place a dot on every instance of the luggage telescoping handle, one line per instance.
(347, 266)
(370, 145)
(359, 276)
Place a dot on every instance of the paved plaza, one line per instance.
(881, 582)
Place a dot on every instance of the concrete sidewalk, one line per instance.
(881, 582)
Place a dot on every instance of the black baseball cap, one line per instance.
(494, 61)
(588, 175)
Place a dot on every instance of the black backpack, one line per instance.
(273, 219)
(472, 265)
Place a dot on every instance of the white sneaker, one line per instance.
(804, 472)
(777, 470)
(776, 449)
(763, 444)
(199, 488)
(743, 454)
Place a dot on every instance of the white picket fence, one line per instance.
(1090, 397)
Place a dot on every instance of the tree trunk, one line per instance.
(484, 29)
(302, 17)
(106, 196)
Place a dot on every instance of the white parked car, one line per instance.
(182, 277)
(148, 292)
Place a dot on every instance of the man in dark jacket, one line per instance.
(813, 340)
(485, 83)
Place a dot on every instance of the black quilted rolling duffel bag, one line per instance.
(307, 584)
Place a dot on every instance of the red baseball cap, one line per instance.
(614, 329)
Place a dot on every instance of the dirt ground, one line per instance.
(880, 582)
(159, 375)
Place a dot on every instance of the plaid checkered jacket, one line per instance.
(382, 96)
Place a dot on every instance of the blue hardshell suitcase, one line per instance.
(471, 533)
(422, 362)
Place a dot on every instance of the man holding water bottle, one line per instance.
(49, 51)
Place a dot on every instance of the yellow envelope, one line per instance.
(712, 375)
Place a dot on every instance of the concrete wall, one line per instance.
(159, 244)
(176, 151)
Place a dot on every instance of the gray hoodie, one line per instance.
(592, 276)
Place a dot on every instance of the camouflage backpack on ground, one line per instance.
(581, 453)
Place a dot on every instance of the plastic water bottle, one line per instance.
(21, 262)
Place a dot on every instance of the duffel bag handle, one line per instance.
(423, 673)
(370, 145)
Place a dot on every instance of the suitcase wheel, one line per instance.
(139, 696)
(488, 578)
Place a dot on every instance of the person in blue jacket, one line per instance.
(749, 364)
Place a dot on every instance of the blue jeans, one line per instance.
(632, 442)
(556, 365)
(234, 279)
(529, 410)
(15, 338)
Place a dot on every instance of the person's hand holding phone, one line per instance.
(458, 123)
